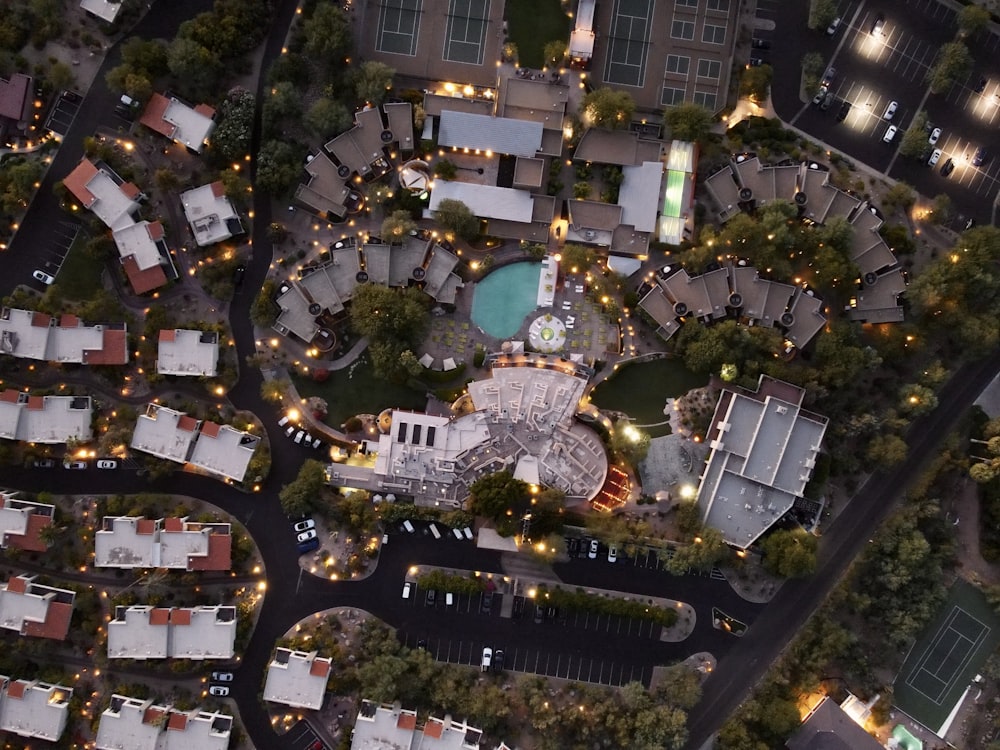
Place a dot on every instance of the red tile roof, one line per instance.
(131, 190)
(152, 116)
(16, 689)
(204, 109)
(173, 524)
(168, 334)
(155, 230)
(15, 97)
(77, 180)
(177, 721)
(17, 585)
(143, 280)
(180, 617)
(218, 189)
(145, 526)
(434, 729)
(10, 396)
(187, 423)
(114, 350)
(319, 668)
(152, 715)
(56, 623)
(210, 429)
(406, 721)
(36, 403)
(219, 557)
(31, 540)
(68, 320)
(41, 320)
(159, 616)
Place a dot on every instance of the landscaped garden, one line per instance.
(641, 390)
(533, 23)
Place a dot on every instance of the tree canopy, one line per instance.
(755, 82)
(372, 81)
(394, 320)
(327, 34)
(688, 122)
(790, 553)
(607, 108)
(301, 495)
(501, 498)
(954, 61)
(455, 216)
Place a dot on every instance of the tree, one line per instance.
(455, 216)
(706, 551)
(263, 310)
(18, 183)
(941, 208)
(498, 496)
(166, 180)
(755, 82)
(274, 390)
(812, 69)
(578, 258)
(688, 122)
(327, 35)
(196, 69)
(630, 443)
(581, 190)
(300, 496)
(972, 18)
(886, 451)
(554, 52)
(372, 80)
(231, 138)
(914, 143)
(821, 13)
(954, 61)
(790, 553)
(398, 225)
(282, 105)
(61, 76)
(394, 321)
(900, 195)
(607, 108)
(279, 165)
(327, 118)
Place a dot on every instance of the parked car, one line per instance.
(573, 546)
(487, 606)
(238, 275)
(821, 94)
(299, 435)
(935, 157)
(222, 676)
(612, 553)
(306, 536)
(290, 430)
(283, 421)
(755, 62)
(487, 659)
(430, 598)
(592, 554)
(107, 463)
(834, 25)
(498, 660)
(981, 85)
(761, 44)
(74, 464)
(935, 135)
(827, 101)
(948, 167)
(220, 691)
(316, 442)
(980, 157)
(45, 463)
(312, 544)
(890, 110)
(845, 110)
(304, 525)
(878, 25)
(42, 277)
(539, 614)
(828, 77)
(407, 590)
(890, 133)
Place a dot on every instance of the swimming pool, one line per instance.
(503, 298)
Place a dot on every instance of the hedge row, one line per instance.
(580, 600)
(456, 584)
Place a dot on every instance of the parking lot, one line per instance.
(51, 256)
(874, 68)
(63, 113)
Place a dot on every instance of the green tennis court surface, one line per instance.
(942, 663)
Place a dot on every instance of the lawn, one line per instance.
(531, 24)
(356, 390)
(79, 278)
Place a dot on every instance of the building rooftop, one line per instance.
(33, 335)
(224, 450)
(146, 632)
(22, 521)
(164, 433)
(623, 147)
(828, 727)
(142, 243)
(326, 191)
(32, 609)
(485, 201)
(210, 214)
(384, 727)
(297, 679)
(176, 543)
(491, 135)
(763, 449)
(16, 97)
(106, 10)
(99, 189)
(134, 724)
(35, 709)
(639, 195)
(170, 117)
(188, 352)
(45, 419)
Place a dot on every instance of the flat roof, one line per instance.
(485, 201)
(297, 679)
(223, 450)
(45, 419)
(142, 725)
(209, 213)
(33, 335)
(188, 352)
(139, 241)
(400, 116)
(295, 316)
(639, 195)
(190, 126)
(112, 200)
(621, 147)
(498, 135)
(326, 190)
(145, 632)
(104, 9)
(30, 708)
(164, 433)
(33, 609)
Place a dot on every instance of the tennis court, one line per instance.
(465, 37)
(941, 665)
(628, 42)
(398, 27)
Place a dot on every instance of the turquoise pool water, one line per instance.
(503, 298)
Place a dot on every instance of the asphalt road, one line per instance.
(873, 70)
(737, 673)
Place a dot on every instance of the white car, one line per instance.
(821, 94)
(74, 464)
(220, 691)
(316, 442)
(935, 134)
(222, 676)
(890, 133)
(42, 277)
(612, 554)
(592, 554)
(306, 536)
(487, 659)
(106, 463)
(289, 431)
(834, 25)
(890, 110)
(283, 421)
(407, 590)
(304, 525)
(935, 157)
(299, 435)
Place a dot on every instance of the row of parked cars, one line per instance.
(301, 437)
(579, 547)
(49, 463)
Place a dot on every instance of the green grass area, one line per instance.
(531, 24)
(79, 278)
(641, 390)
(356, 390)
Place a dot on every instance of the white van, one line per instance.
(435, 532)
(408, 526)
(407, 590)
(449, 599)
(458, 534)
(468, 533)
